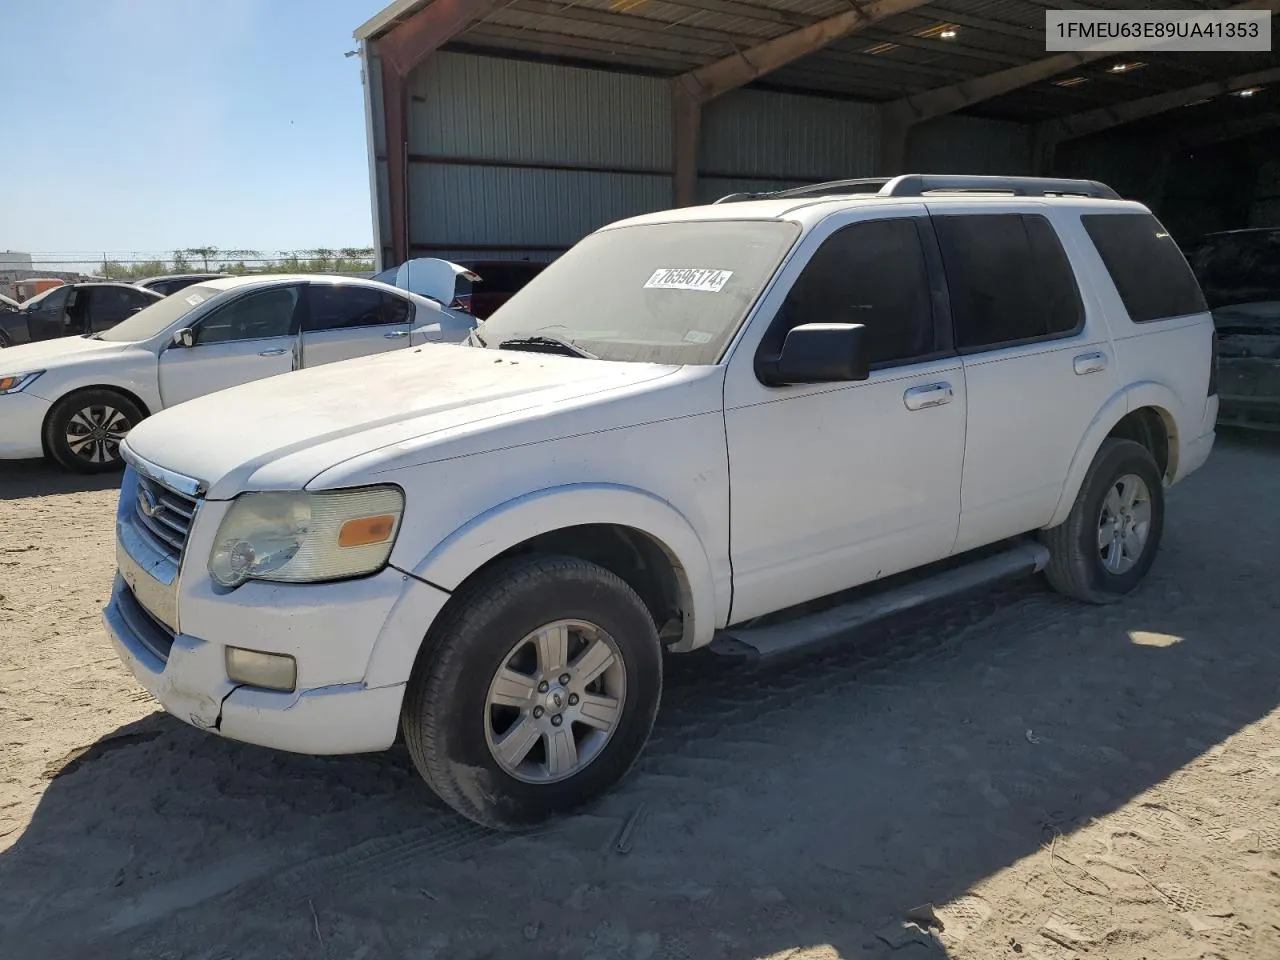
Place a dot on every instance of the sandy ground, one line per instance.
(1024, 776)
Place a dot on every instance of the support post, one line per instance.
(395, 114)
(686, 121)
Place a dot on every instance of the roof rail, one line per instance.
(834, 187)
(917, 185)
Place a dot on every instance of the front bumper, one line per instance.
(188, 676)
(21, 423)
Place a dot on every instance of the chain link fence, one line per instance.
(136, 265)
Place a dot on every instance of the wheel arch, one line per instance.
(54, 405)
(641, 537)
(1146, 413)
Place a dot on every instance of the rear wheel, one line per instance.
(84, 431)
(1108, 542)
(536, 691)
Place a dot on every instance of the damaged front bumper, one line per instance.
(188, 677)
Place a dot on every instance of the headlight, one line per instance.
(306, 537)
(13, 382)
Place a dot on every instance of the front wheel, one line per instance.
(1108, 542)
(535, 693)
(84, 431)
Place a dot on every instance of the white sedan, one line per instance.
(74, 399)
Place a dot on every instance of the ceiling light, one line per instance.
(944, 31)
(1070, 81)
(880, 48)
(1247, 91)
(1125, 67)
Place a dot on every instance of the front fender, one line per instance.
(1147, 393)
(509, 524)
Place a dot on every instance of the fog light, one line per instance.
(274, 671)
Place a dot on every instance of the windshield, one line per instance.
(661, 293)
(34, 302)
(149, 321)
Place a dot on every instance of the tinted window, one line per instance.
(254, 316)
(109, 305)
(870, 273)
(1148, 269)
(1009, 278)
(341, 308)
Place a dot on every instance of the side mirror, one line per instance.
(186, 337)
(817, 353)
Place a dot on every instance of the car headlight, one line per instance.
(13, 382)
(300, 537)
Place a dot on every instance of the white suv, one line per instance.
(699, 425)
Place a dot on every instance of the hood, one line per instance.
(46, 354)
(282, 432)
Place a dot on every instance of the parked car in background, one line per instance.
(482, 285)
(445, 282)
(1239, 271)
(175, 282)
(500, 280)
(75, 399)
(698, 425)
(73, 309)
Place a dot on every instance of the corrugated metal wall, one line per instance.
(969, 145)
(1265, 211)
(510, 157)
(535, 123)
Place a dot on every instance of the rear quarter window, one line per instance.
(1148, 270)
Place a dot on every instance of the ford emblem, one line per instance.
(147, 502)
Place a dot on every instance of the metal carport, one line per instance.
(511, 128)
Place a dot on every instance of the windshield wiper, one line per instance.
(544, 344)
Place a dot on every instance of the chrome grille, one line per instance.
(164, 515)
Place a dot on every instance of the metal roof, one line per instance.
(895, 57)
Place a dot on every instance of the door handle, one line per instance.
(1090, 363)
(928, 395)
(273, 353)
(395, 334)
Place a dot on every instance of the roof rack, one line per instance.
(832, 187)
(919, 185)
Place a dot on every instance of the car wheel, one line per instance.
(535, 692)
(1108, 542)
(83, 432)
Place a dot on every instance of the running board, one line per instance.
(775, 640)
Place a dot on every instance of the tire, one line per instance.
(455, 733)
(106, 412)
(1080, 565)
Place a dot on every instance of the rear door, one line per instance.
(250, 337)
(343, 321)
(1038, 363)
(47, 317)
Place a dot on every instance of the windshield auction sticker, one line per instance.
(688, 278)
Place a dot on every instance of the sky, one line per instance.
(150, 125)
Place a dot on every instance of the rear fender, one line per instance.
(1146, 393)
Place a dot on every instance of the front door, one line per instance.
(345, 321)
(833, 485)
(252, 337)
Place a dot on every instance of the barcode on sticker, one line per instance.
(688, 278)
